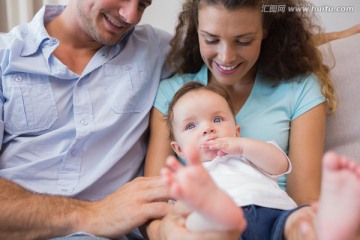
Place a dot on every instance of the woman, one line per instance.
(270, 66)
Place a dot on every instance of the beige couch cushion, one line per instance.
(343, 128)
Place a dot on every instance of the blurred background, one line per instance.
(335, 15)
(14, 12)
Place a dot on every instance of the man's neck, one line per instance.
(76, 47)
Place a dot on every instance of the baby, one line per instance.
(203, 131)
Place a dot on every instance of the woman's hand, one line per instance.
(172, 227)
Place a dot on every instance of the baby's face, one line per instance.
(200, 116)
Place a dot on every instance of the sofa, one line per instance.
(343, 127)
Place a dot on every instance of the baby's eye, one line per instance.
(190, 126)
(217, 119)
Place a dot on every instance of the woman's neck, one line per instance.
(240, 91)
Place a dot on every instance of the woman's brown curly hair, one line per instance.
(288, 50)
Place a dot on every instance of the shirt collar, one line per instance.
(36, 33)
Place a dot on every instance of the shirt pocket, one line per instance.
(29, 103)
(127, 87)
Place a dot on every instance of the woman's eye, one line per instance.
(217, 119)
(244, 43)
(190, 126)
(210, 41)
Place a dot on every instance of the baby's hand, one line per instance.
(225, 145)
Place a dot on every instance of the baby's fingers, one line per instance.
(220, 144)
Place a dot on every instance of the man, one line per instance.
(77, 86)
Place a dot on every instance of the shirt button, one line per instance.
(83, 122)
(73, 152)
(24, 32)
(18, 78)
(127, 67)
(52, 42)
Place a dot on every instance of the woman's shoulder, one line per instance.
(168, 87)
(306, 85)
(177, 81)
(295, 84)
(305, 79)
(302, 79)
(296, 94)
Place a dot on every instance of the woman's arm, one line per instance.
(306, 147)
(159, 144)
(159, 149)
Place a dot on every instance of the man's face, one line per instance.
(106, 21)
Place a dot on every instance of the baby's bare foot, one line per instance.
(338, 215)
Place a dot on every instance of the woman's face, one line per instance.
(230, 42)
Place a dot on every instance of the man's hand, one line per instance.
(130, 206)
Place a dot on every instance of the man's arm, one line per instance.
(27, 215)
